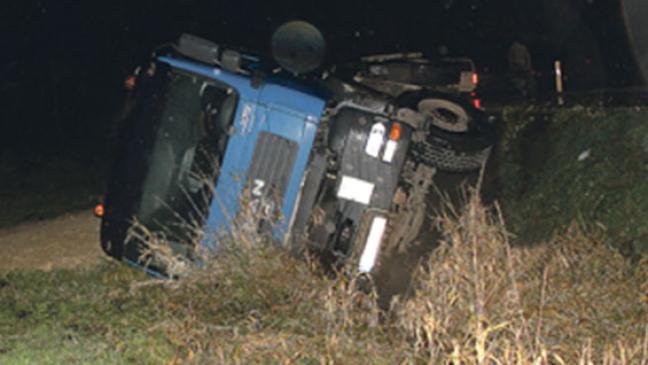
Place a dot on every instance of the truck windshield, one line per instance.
(172, 160)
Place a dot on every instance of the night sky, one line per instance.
(63, 62)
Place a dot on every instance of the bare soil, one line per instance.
(68, 241)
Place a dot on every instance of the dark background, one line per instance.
(63, 63)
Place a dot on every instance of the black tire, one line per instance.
(440, 155)
(459, 138)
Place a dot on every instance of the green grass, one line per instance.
(85, 317)
(477, 298)
(258, 305)
(545, 186)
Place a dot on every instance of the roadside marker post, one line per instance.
(559, 82)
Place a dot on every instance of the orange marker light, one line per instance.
(475, 78)
(129, 83)
(395, 132)
(99, 210)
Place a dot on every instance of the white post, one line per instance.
(559, 82)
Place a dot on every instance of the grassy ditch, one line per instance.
(588, 165)
(478, 300)
(572, 298)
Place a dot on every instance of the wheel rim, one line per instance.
(445, 114)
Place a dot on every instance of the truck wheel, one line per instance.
(459, 137)
(441, 154)
(445, 114)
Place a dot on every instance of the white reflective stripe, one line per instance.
(375, 140)
(390, 151)
(356, 190)
(372, 246)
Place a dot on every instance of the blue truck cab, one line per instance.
(324, 164)
(198, 136)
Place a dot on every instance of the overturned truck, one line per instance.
(333, 167)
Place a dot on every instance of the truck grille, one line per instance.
(271, 167)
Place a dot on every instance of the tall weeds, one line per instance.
(478, 300)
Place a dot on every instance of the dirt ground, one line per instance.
(68, 241)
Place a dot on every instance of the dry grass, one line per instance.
(570, 300)
(478, 301)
